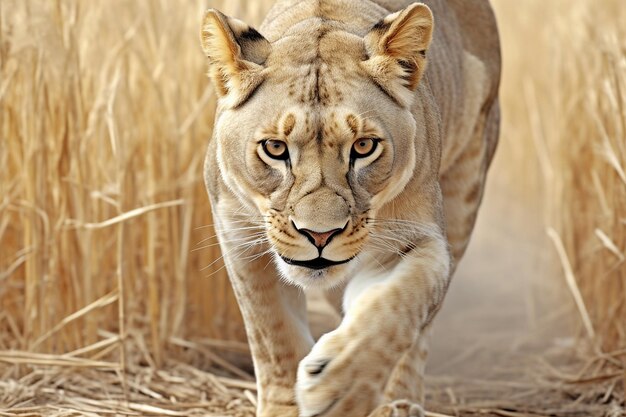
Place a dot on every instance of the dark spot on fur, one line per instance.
(387, 93)
(289, 124)
(381, 26)
(316, 93)
(251, 35)
(408, 248)
(474, 194)
(407, 65)
(353, 124)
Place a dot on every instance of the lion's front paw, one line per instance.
(400, 408)
(339, 378)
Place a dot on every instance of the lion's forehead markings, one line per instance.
(353, 123)
(315, 64)
(288, 124)
(323, 86)
(302, 126)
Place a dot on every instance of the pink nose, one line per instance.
(319, 239)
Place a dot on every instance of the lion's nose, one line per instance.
(319, 239)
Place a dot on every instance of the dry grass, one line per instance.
(565, 132)
(104, 218)
(113, 297)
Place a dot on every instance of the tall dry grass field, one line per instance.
(105, 112)
(564, 133)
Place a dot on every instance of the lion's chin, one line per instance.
(319, 277)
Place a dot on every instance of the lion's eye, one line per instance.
(364, 147)
(276, 149)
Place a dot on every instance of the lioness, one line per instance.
(349, 153)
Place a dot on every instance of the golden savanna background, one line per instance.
(113, 297)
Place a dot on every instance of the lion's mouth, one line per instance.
(317, 263)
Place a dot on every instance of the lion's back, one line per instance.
(477, 22)
(464, 71)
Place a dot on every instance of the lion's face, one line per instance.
(316, 147)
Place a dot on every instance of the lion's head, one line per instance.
(315, 131)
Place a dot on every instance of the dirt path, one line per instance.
(492, 297)
(504, 334)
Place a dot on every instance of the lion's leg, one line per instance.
(346, 372)
(407, 379)
(275, 318)
(278, 334)
(404, 393)
(462, 187)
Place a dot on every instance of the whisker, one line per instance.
(268, 262)
(232, 230)
(247, 218)
(386, 246)
(245, 239)
(230, 221)
(246, 247)
(404, 255)
(249, 245)
(212, 263)
(253, 258)
(395, 239)
(215, 272)
(402, 221)
(375, 260)
(412, 231)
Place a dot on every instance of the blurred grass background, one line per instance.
(106, 112)
(563, 147)
(106, 244)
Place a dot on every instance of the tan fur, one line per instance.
(422, 80)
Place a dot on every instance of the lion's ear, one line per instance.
(236, 55)
(396, 47)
